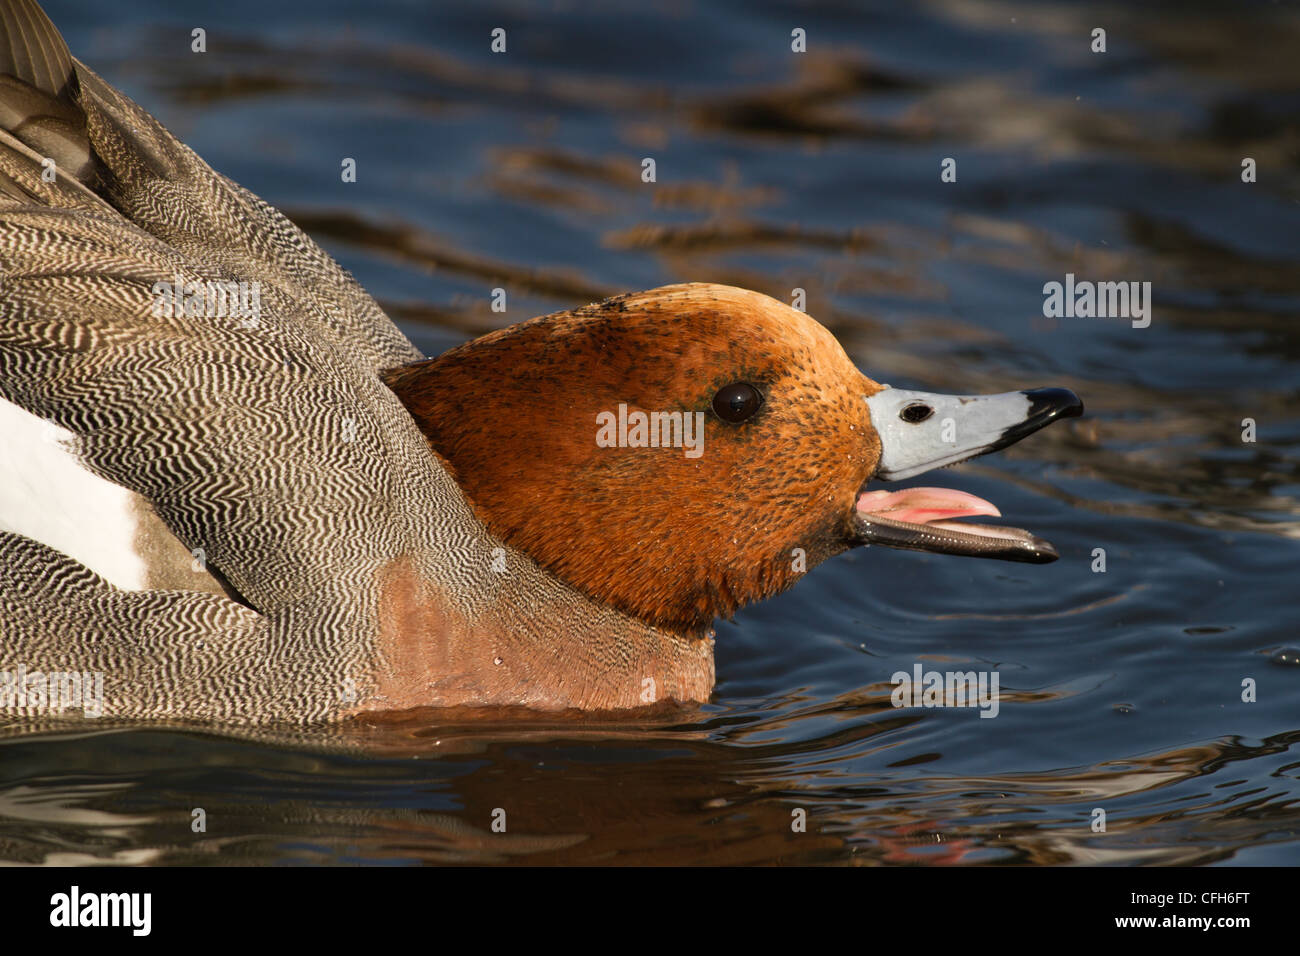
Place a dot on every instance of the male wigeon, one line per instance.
(234, 490)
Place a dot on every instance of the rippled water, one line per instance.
(1120, 690)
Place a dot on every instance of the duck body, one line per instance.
(277, 517)
(273, 453)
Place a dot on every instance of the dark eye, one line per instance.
(915, 414)
(736, 402)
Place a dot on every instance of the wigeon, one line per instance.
(233, 490)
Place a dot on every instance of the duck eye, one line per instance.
(915, 414)
(736, 402)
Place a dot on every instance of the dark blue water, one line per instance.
(1121, 690)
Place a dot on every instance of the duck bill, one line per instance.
(920, 431)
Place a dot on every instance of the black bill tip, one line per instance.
(1048, 404)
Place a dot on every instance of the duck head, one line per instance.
(681, 452)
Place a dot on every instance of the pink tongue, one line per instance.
(920, 505)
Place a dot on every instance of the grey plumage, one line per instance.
(272, 448)
(275, 449)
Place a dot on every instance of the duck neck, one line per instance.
(526, 639)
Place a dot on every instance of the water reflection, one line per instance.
(700, 796)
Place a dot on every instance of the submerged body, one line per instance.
(289, 516)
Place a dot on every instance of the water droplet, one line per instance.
(1123, 708)
(1286, 656)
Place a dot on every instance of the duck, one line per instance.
(276, 509)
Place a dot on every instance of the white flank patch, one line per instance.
(46, 494)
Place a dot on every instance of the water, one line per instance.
(1120, 690)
